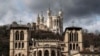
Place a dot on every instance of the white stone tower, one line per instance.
(73, 40)
(49, 19)
(19, 41)
(57, 22)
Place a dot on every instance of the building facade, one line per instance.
(26, 40)
(50, 22)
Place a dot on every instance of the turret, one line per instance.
(60, 13)
(41, 18)
(38, 20)
(49, 12)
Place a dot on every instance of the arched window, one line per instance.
(22, 54)
(58, 53)
(22, 45)
(40, 53)
(46, 53)
(53, 53)
(70, 46)
(19, 54)
(71, 36)
(76, 36)
(73, 46)
(19, 45)
(16, 35)
(21, 35)
(77, 46)
(34, 53)
(15, 45)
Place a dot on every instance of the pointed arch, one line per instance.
(16, 35)
(21, 35)
(76, 36)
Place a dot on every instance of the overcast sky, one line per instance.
(84, 13)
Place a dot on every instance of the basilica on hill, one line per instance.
(47, 38)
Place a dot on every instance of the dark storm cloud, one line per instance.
(83, 11)
(71, 8)
(83, 8)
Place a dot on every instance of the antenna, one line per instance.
(73, 23)
(20, 21)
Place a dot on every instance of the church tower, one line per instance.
(49, 19)
(57, 23)
(73, 40)
(61, 20)
(42, 18)
(19, 40)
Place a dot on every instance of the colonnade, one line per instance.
(46, 52)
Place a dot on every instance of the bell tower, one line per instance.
(73, 40)
(19, 40)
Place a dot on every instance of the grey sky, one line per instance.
(85, 13)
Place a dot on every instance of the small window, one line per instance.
(15, 45)
(23, 55)
(19, 45)
(19, 54)
(22, 45)
(16, 35)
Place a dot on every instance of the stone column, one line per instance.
(75, 47)
(43, 52)
(72, 46)
(49, 52)
(37, 52)
(56, 52)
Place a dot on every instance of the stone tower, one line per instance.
(57, 23)
(49, 19)
(73, 40)
(61, 21)
(19, 40)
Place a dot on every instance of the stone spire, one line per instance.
(49, 12)
(60, 12)
(38, 19)
(42, 18)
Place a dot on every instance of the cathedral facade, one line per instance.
(52, 23)
(26, 40)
